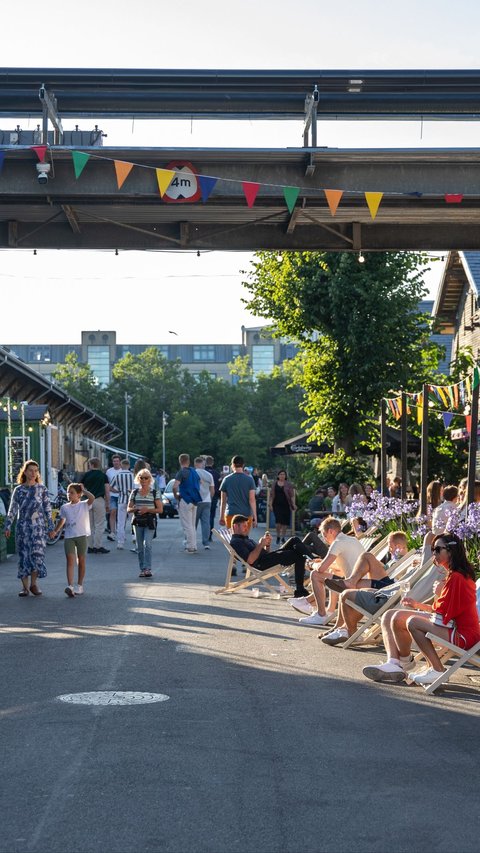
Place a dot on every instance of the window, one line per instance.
(235, 351)
(204, 353)
(262, 359)
(198, 375)
(40, 354)
(163, 350)
(99, 361)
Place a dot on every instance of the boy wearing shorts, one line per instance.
(75, 516)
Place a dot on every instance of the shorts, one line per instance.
(369, 600)
(228, 520)
(379, 584)
(113, 501)
(76, 545)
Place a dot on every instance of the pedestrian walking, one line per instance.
(30, 507)
(145, 506)
(75, 516)
(122, 483)
(97, 483)
(207, 489)
(186, 489)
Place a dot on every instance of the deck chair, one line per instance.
(446, 651)
(253, 576)
(372, 621)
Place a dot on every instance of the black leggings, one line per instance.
(293, 552)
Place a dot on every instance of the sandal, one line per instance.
(35, 590)
(24, 592)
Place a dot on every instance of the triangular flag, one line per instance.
(2, 158)
(399, 406)
(373, 201)
(80, 160)
(40, 151)
(476, 377)
(453, 198)
(456, 396)
(164, 179)
(468, 423)
(250, 189)
(391, 407)
(468, 386)
(333, 199)
(450, 394)
(443, 396)
(206, 186)
(290, 195)
(122, 170)
(420, 409)
(447, 419)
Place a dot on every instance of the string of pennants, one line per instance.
(250, 188)
(453, 397)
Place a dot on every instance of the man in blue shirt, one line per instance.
(238, 495)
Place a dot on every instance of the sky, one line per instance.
(199, 298)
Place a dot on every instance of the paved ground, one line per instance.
(270, 741)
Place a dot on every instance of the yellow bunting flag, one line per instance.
(373, 201)
(450, 394)
(333, 199)
(420, 408)
(443, 395)
(122, 170)
(164, 179)
(399, 407)
(468, 388)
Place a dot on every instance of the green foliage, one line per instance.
(78, 380)
(338, 467)
(359, 327)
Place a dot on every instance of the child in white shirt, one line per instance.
(75, 516)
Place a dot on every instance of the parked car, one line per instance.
(170, 503)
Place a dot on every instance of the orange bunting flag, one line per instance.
(122, 170)
(419, 408)
(250, 189)
(468, 423)
(391, 407)
(456, 396)
(333, 199)
(164, 179)
(373, 201)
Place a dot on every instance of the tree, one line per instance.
(79, 380)
(359, 329)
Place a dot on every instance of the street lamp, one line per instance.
(164, 424)
(128, 400)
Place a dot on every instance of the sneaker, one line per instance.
(206, 547)
(78, 590)
(314, 620)
(301, 604)
(102, 551)
(133, 550)
(69, 591)
(426, 677)
(387, 673)
(191, 550)
(92, 550)
(119, 547)
(111, 538)
(333, 638)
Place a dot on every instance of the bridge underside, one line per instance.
(92, 213)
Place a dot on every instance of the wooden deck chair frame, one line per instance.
(446, 652)
(372, 620)
(253, 576)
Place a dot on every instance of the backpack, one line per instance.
(190, 488)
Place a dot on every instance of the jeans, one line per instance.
(203, 516)
(213, 509)
(144, 536)
(121, 522)
(293, 552)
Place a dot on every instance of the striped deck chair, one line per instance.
(253, 576)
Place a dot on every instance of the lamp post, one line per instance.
(128, 400)
(164, 424)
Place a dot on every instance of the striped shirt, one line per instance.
(122, 485)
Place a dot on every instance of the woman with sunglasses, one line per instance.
(453, 616)
(145, 505)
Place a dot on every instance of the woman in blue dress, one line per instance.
(31, 507)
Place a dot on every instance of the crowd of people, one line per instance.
(341, 573)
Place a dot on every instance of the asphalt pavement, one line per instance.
(268, 741)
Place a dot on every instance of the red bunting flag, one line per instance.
(40, 151)
(468, 423)
(250, 189)
(453, 198)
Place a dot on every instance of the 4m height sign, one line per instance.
(184, 186)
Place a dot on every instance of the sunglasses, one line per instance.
(439, 548)
(144, 478)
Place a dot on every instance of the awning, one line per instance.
(300, 444)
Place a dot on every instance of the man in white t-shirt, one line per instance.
(343, 552)
(207, 489)
(443, 511)
(111, 473)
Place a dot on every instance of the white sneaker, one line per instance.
(427, 677)
(386, 673)
(78, 590)
(338, 635)
(119, 547)
(301, 604)
(314, 620)
(69, 591)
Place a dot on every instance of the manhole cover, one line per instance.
(112, 697)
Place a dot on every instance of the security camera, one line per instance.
(43, 171)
